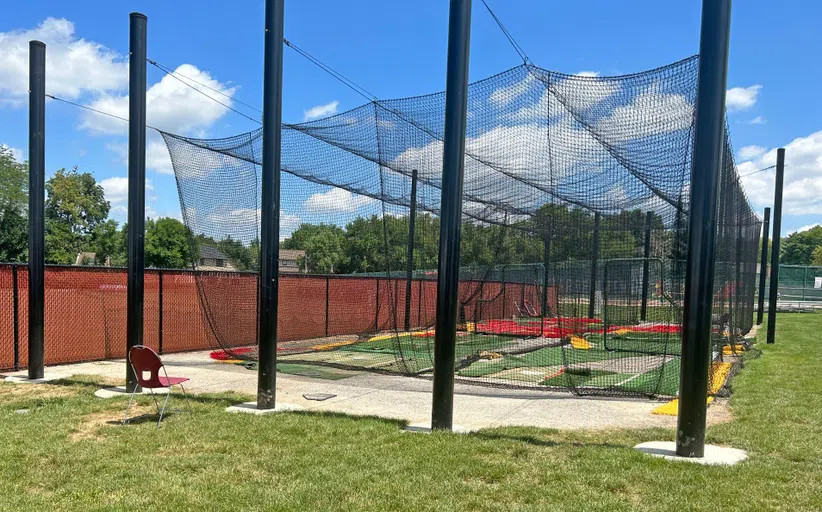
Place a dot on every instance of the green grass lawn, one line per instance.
(63, 455)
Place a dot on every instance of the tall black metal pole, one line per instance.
(709, 138)
(646, 266)
(546, 265)
(412, 223)
(37, 227)
(453, 163)
(592, 292)
(777, 235)
(763, 267)
(270, 203)
(136, 187)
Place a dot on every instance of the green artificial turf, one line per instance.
(62, 455)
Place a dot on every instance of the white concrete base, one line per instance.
(714, 455)
(121, 391)
(251, 408)
(22, 379)
(425, 428)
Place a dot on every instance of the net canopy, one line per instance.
(574, 233)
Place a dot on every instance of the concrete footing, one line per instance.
(17, 379)
(714, 455)
(116, 391)
(425, 428)
(251, 408)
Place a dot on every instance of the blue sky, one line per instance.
(397, 49)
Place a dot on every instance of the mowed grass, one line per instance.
(62, 455)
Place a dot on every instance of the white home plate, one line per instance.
(121, 390)
(251, 408)
(714, 455)
(22, 379)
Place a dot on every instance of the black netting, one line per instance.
(566, 177)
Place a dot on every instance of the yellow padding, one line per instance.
(229, 361)
(381, 337)
(719, 372)
(580, 343)
(620, 332)
(329, 346)
(730, 350)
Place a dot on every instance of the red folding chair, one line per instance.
(146, 365)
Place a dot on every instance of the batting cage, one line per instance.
(574, 234)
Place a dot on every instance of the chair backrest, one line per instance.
(146, 364)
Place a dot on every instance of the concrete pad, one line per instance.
(116, 391)
(23, 379)
(425, 428)
(251, 408)
(714, 455)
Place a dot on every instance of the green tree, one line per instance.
(169, 244)
(816, 257)
(798, 248)
(13, 207)
(109, 243)
(238, 254)
(75, 207)
(323, 246)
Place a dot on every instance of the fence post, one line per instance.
(592, 293)
(708, 152)
(270, 203)
(377, 308)
(419, 305)
(327, 295)
(16, 315)
(37, 171)
(453, 167)
(777, 236)
(763, 267)
(412, 222)
(646, 266)
(160, 313)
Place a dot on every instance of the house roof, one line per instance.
(211, 252)
(291, 254)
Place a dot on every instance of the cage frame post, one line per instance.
(646, 266)
(15, 316)
(453, 167)
(546, 262)
(160, 312)
(270, 203)
(708, 156)
(592, 292)
(412, 223)
(37, 227)
(763, 267)
(135, 288)
(776, 237)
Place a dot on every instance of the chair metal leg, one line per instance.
(156, 404)
(131, 399)
(185, 395)
(164, 407)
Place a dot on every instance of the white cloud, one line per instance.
(803, 228)
(741, 98)
(757, 120)
(74, 66)
(321, 111)
(751, 152)
(170, 106)
(17, 154)
(157, 157)
(802, 192)
(589, 74)
(651, 112)
(241, 223)
(116, 190)
(337, 200)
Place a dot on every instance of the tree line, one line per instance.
(77, 221)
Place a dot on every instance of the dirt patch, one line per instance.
(92, 424)
(35, 391)
(719, 412)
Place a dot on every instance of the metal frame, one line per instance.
(160, 412)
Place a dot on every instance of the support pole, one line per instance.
(709, 138)
(270, 203)
(777, 235)
(646, 266)
(15, 316)
(763, 267)
(160, 312)
(592, 292)
(136, 188)
(453, 163)
(37, 226)
(546, 263)
(412, 222)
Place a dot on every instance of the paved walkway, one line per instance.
(409, 398)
